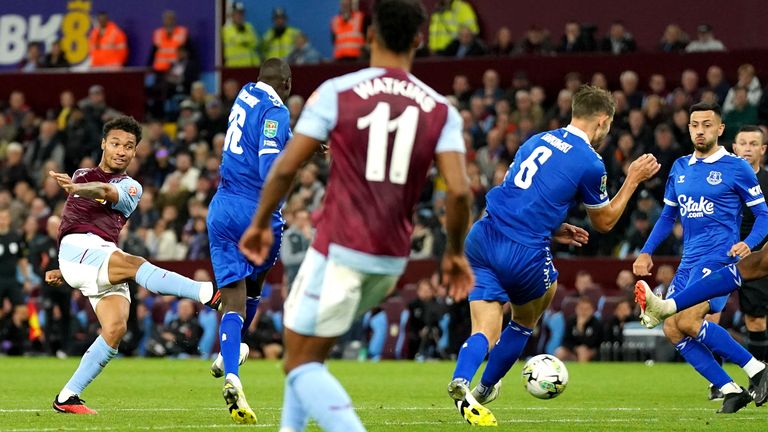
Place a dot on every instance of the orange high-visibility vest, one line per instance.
(108, 49)
(349, 39)
(168, 46)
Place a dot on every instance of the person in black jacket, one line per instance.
(583, 334)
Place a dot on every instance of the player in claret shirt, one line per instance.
(707, 190)
(100, 201)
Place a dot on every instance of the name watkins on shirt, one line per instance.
(695, 209)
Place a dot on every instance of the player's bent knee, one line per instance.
(113, 333)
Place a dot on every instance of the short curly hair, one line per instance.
(397, 22)
(123, 123)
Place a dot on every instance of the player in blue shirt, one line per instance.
(257, 133)
(707, 190)
(509, 248)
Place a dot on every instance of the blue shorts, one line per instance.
(686, 275)
(506, 271)
(228, 218)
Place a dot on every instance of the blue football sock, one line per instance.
(251, 305)
(471, 355)
(294, 416)
(700, 357)
(718, 283)
(229, 335)
(505, 353)
(323, 398)
(160, 281)
(93, 361)
(720, 342)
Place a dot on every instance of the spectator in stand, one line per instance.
(67, 103)
(613, 332)
(303, 52)
(185, 172)
(664, 276)
(167, 41)
(573, 41)
(503, 46)
(466, 44)
(146, 214)
(229, 90)
(424, 316)
(705, 40)
(618, 40)
(625, 152)
(197, 240)
(488, 156)
(641, 133)
(519, 82)
(295, 104)
(13, 261)
(655, 111)
(657, 85)
(348, 31)
(526, 109)
(7, 134)
(182, 335)
(741, 113)
(17, 109)
(213, 121)
(491, 91)
(561, 111)
(625, 284)
(598, 80)
(47, 146)
(56, 58)
(241, 43)
(583, 334)
(717, 83)
(689, 82)
(13, 168)
(636, 235)
(296, 241)
(96, 110)
(81, 139)
(680, 130)
(674, 39)
(629, 85)
(448, 17)
(536, 41)
(666, 151)
(279, 40)
(34, 58)
(107, 44)
(747, 79)
(310, 189)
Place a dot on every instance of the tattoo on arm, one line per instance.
(95, 190)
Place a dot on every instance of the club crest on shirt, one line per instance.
(715, 178)
(270, 128)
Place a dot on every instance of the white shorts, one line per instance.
(326, 296)
(84, 263)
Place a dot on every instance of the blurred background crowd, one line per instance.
(177, 163)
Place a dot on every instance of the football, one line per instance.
(545, 376)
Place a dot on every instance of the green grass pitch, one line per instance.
(144, 394)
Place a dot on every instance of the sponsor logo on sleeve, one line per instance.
(755, 191)
(270, 128)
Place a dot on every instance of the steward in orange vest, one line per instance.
(108, 44)
(347, 31)
(166, 42)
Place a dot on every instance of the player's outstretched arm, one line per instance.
(257, 239)
(95, 190)
(605, 218)
(456, 271)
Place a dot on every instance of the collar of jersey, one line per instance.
(578, 132)
(268, 88)
(714, 157)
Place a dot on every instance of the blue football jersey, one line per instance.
(258, 131)
(551, 172)
(708, 194)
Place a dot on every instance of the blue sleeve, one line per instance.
(273, 136)
(320, 113)
(670, 195)
(760, 228)
(593, 186)
(748, 188)
(662, 229)
(129, 193)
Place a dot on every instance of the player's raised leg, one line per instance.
(112, 312)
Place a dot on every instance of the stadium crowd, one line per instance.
(177, 164)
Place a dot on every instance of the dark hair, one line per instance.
(397, 22)
(752, 128)
(589, 101)
(123, 123)
(704, 106)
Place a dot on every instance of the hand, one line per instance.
(642, 265)
(740, 250)
(64, 181)
(54, 278)
(457, 275)
(643, 168)
(571, 235)
(256, 243)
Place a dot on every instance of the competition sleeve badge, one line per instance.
(132, 191)
(270, 128)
